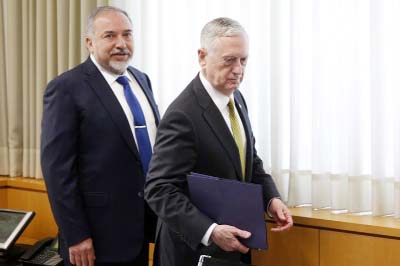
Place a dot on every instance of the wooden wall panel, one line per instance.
(43, 223)
(319, 238)
(342, 249)
(3, 198)
(30, 194)
(151, 254)
(297, 247)
(3, 193)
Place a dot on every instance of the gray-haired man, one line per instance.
(207, 130)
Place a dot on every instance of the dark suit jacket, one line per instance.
(193, 137)
(91, 165)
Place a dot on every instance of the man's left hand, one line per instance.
(281, 214)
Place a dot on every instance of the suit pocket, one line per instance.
(95, 199)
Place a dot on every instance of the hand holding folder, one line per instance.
(233, 203)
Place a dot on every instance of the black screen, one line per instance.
(8, 222)
(12, 224)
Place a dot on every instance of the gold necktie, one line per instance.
(237, 136)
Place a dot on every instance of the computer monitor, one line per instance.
(12, 224)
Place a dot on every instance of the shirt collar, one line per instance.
(108, 76)
(220, 99)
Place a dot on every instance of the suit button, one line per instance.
(140, 194)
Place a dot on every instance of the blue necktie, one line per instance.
(142, 136)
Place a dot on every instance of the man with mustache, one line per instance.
(98, 129)
(207, 130)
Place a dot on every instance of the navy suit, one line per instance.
(194, 137)
(92, 167)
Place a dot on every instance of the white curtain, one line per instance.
(321, 85)
(38, 40)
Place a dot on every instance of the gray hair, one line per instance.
(97, 11)
(219, 27)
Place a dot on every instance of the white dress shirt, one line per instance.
(221, 101)
(118, 91)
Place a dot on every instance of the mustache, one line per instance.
(123, 51)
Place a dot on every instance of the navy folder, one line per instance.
(233, 203)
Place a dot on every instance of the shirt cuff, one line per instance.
(206, 238)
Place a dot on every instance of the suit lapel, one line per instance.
(101, 88)
(218, 125)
